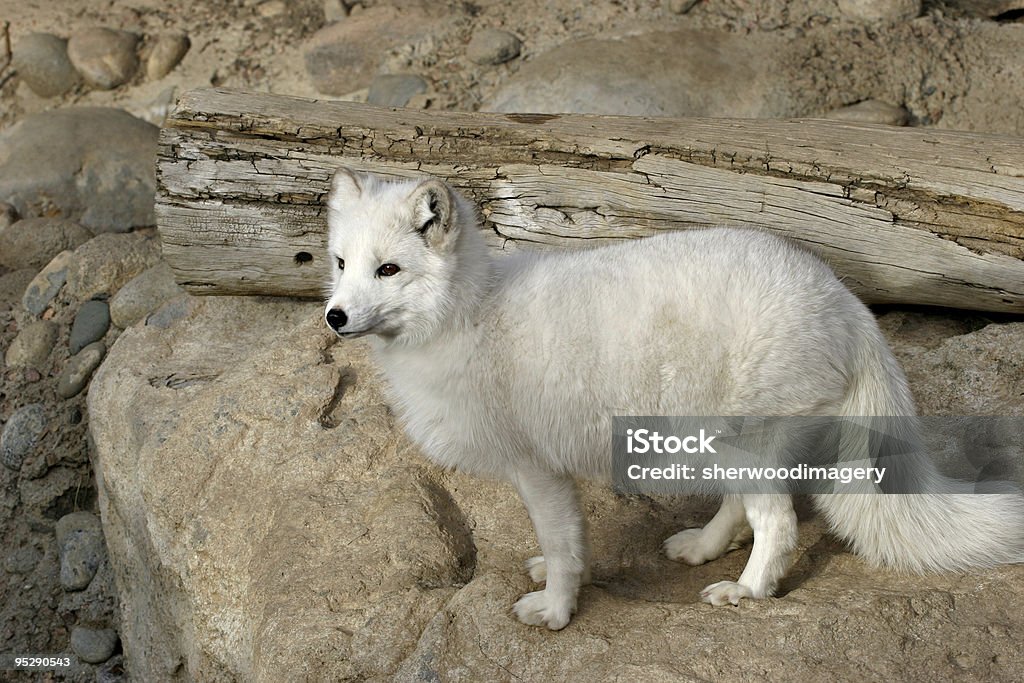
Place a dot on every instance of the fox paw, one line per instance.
(725, 593)
(691, 547)
(541, 609)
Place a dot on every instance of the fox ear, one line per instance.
(345, 188)
(434, 208)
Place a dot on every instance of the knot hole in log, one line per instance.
(302, 258)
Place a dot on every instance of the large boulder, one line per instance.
(677, 73)
(94, 165)
(267, 521)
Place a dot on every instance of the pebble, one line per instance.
(93, 645)
(143, 295)
(492, 46)
(41, 60)
(45, 285)
(21, 435)
(94, 165)
(32, 242)
(91, 322)
(32, 346)
(168, 50)
(107, 262)
(871, 111)
(681, 6)
(81, 549)
(105, 57)
(79, 369)
(395, 90)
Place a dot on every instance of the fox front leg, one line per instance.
(552, 503)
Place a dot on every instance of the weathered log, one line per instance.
(904, 215)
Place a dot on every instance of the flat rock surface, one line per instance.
(415, 569)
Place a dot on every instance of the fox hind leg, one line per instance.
(773, 521)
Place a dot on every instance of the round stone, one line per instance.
(32, 242)
(93, 645)
(492, 46)
(91, 322)
(32, 346)
(41, 60)
(21, 435)
(78, 371)
(168, 50)
(105, 57)
(81, 549)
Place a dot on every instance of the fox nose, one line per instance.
(336, 318)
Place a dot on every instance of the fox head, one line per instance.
(392, 250)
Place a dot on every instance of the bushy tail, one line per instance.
(937, 528)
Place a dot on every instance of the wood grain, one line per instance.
(904, 215)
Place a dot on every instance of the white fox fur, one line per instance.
(513, 367)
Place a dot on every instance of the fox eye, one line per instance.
(387, 270)
(341, 264)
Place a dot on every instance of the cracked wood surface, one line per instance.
(903, 215)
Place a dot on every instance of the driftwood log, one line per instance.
(904, 215)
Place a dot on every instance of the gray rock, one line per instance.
(32, 346)
(8, 215)
(143, 295)
(344, 56)
(52, 162)
(93, 645)
(395, 90)
(13, 284)
(45, 285)
(492, 46)
(41, 60)
(79, 369)
(871, 111)
(91, 322)
(33, 242)
(21, 434)
(105, 57)
(105, 263)
(168, 50)
(81, 549)
(682, 73)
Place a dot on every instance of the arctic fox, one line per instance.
(513, 367)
